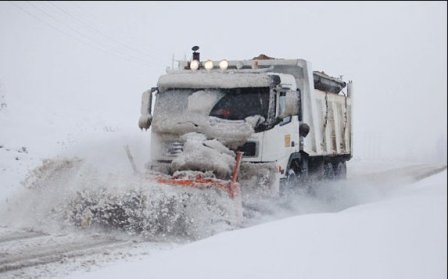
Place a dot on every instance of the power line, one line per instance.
(76, 35)
(137, 59)
(97, 31)
(92, 18)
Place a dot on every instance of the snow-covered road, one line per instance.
(380, 212)
(402, 235)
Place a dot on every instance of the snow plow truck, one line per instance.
(248, 128)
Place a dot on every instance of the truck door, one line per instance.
(282, 140)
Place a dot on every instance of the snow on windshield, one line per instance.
(229, 115)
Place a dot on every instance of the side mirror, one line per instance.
(289, 104)
(282, 105)
(145, 119)
(304, 129)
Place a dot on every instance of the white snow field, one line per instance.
(403, 235)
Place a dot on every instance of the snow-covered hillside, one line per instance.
(401, 236)
(44, 128)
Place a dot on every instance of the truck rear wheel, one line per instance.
(340, 170)
(329, 172)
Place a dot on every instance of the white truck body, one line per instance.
(325, 110)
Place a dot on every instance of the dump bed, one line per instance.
(332, 124)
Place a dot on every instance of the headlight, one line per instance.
(223, 64)
(208, 65)
(194, 65)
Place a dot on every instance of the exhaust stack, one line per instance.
(196, 54)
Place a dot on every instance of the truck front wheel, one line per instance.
(297, 177)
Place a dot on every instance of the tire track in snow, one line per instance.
(430, 172)
(15, 236)
(21, 254)
(413, 173)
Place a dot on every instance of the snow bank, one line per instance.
(402, 236)
(63, 195)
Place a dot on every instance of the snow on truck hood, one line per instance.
(231, 133)
(213, 80)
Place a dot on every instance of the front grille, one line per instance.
(173, 149)
(249, 149)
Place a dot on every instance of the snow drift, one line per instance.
(401, 236)
(93, 192)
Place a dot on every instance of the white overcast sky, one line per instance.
(102, 55)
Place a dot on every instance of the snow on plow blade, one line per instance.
(232, 187)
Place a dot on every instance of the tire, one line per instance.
(304, 171)
(341, 170)
(297, 177)
(317, 171)
(289, 184)
(329, 172)
(292, 179)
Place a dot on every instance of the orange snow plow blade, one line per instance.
(232, 187)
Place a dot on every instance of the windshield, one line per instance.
(237, 104)
(230, 104)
